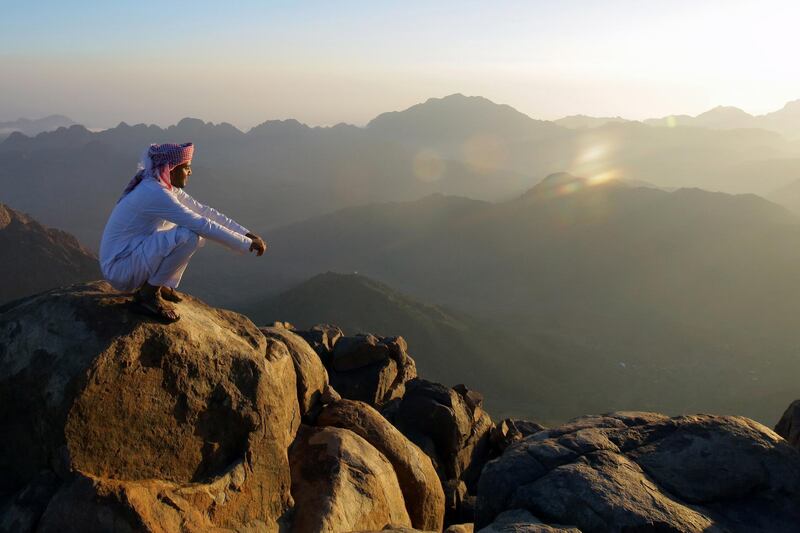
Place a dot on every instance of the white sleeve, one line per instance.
(210, 212)
(164, 204)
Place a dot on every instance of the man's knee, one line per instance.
(187, 236)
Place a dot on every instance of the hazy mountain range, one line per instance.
(32, 127)
(665, 300)
(283, 171)
(785, 121)
(649, 295)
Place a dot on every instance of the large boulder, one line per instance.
(648, 472)
(419, 483)
(340, 482)
(371, 369)
(322, 338)
(312, 378)
(449, 425)
(131, 416)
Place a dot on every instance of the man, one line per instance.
(156, 227)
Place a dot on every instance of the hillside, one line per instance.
(448, 346)
(684, 300)
(35, 258)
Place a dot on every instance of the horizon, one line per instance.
(163, 125)
(324, 64)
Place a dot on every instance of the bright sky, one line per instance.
(323, 62)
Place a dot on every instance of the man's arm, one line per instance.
(209, 212)
(164, 204)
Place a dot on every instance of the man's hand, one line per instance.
(258, 245)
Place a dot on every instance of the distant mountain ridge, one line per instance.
(32, 127)
(785, 121)
(284, 171)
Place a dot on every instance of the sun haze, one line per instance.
(328, 62)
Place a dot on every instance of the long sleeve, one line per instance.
(166, 205)
(210, 212)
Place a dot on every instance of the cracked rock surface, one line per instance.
(648, 472)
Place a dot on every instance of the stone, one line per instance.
(645, 471)
(521, 521)
(460, 528)
(322, 338)
(431, 413)
(115, 404)
(419, 483)
(371, 369)
(371, 384)
(455, 491)
(788, 426)
(340, 482)
(312, 378)
(357, 352)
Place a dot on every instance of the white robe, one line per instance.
(153, 231)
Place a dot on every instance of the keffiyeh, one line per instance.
(158, 161)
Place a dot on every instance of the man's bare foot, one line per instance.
(171, 295)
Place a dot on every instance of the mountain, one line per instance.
(785, 121)
(578, 122)
(281, 172)
(448, 346)
(675, 301)
(442, 122)
(36, 258)
(720, 117)
(31, 127)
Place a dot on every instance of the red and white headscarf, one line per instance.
(158, 161)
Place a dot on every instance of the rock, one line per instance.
(460, 528)
(329, 395)
(508, 431)
(371, 384)
(282, 325)
(36, 258)
(115, 404)
(526, 427)
(342, 483)
(371, 369)
(419, 483)
(455, 491)
(358, 351)
(394, 529)
(431, 413)
(312, 378)
(521, 521)
(788, 426)
(644, 471)
(322, 338)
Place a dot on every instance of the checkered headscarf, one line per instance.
(158, 161)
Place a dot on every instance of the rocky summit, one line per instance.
(114, 423)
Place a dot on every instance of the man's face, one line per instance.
(180, 175)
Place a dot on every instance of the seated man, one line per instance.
(156, 227)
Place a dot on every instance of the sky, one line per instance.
(325, 62)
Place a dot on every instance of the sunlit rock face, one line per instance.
(190, 421)
(113, 422)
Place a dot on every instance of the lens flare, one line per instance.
(428, 165)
